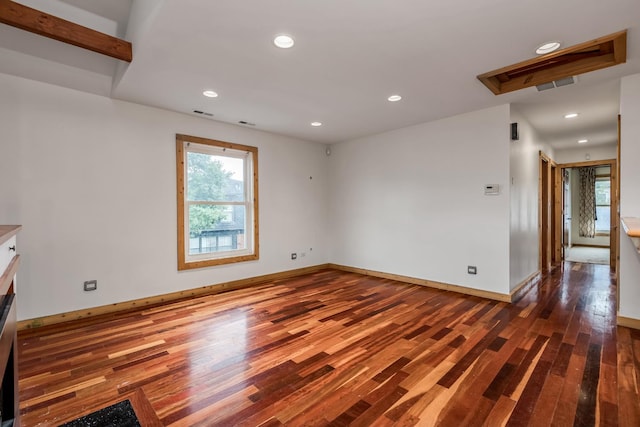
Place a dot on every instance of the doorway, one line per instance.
(589, 222)
(556, 221)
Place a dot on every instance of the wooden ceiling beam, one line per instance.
(579, 59)
(44, 24)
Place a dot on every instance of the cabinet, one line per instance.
(9, 261)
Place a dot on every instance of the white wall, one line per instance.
(579, 154)
(411, 201)
(524, 169)
(629, 275)
(92, 181)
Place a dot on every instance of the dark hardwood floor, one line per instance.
(335, 348)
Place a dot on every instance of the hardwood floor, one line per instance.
(335, 348)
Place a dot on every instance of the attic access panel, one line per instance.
(582, 58)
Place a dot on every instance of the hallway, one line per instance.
(587, 254)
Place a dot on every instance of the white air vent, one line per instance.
(204, 113)
(558, 83)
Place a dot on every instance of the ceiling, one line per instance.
(348, 58)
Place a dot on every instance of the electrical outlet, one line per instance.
(90, 285)
(472, 269)
(294, 255)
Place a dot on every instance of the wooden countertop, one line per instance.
(8, 231)
(631, 226)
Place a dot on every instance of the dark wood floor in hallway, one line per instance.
(336, 348)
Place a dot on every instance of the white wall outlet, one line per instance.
(491, 189)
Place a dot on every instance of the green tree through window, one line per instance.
(206, 180)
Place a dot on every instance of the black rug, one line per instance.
(119, 415)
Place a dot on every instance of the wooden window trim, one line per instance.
(183, 264)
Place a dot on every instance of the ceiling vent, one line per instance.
(559, 65)
(203, 113)
(558, 83)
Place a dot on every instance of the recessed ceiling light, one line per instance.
(283, 41)
(394, 98)
(210, 94)
(571, 116)
(582, 141)
(547, 48)
(316, 124)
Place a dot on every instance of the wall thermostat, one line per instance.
(491, 189)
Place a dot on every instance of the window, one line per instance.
(217, 186)
(227, 214)
(603, 204)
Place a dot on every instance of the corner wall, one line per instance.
(524, 169)
(92, 181)
(629, 275)
(411, 201)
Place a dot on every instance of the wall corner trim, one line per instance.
(525, 286)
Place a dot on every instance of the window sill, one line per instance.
(216, 261)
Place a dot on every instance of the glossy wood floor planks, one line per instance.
(335, 348)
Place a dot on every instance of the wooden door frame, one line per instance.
(613, 235)
(616, 213)
(548, 221)
(556, 213)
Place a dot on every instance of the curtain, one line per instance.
(587, 214)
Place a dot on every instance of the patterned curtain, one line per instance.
(587, 215)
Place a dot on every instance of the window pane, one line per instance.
(603, 218)
(214, 178)
(216, 228)
(603, 192)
